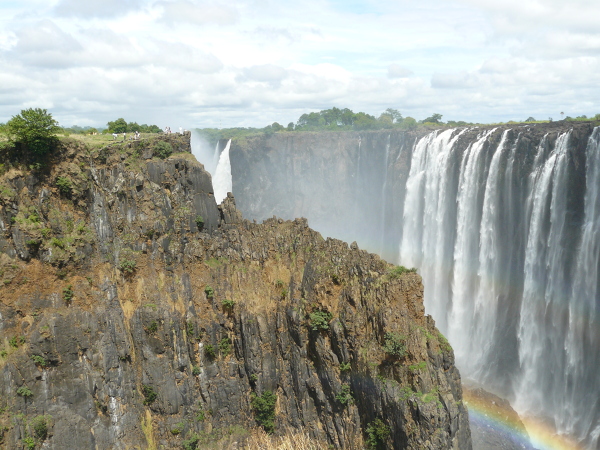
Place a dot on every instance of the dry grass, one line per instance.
(292, 440)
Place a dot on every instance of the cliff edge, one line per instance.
(136, 313)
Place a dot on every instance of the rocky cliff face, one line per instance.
(135, 313)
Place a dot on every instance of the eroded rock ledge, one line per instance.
(135, 313)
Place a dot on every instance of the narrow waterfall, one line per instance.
(510, 274)
(222, 183)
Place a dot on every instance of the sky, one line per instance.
(196, 63)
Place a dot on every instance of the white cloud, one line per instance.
(397, 71)
(250, 62)
(176, 12)
(95, 8)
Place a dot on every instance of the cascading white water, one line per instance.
(222, 182)
(425, 242)
(503, 226)
(466, 251)
(496, 252)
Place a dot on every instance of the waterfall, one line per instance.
(503, 226)
(383, 194)
(222, 182)
(510, 274)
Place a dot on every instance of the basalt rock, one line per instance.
(136, 313)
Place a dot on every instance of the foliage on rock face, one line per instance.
(68, 294)
(64, 185)
(345, 395)
(209, 352)
(377, 432)
(225, 346)
(24, 391)
(319, 320)
(395, 344)
(397, 271)
(199, 222)
(39, 425)
(264, 410)
(163, 149)
(149, 394)
(127, 266)
(39, 360)
(35, 128)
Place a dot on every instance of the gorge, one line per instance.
(136, 313)
(502, 223)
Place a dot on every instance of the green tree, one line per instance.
(35, 128)
(133, 127)
(118, 126)
(434, 118)
(409, 123)
(364, 121)
(396, 116)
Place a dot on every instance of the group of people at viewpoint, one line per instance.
(136, 135)
(168, 130)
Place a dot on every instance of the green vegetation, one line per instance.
(195, 371)
(394, 344)
(344, 119)
(345, 395)
(35, 128)
(127, 266)
(29, 442)
(377, 432)
(319, 320)
(397, 271)
(191, 443)
(15, 341)
(153, 327)
(225, 346)
(163, 149)
(24, 391)
(228, 305)
(39, 360)
(418, 367)
(64, 185)
(264, 410)
(121, 126)
(345, 367)
(210, 293)
(199, 222)
(39, 425)
(444, 344)
(178, 428)
(149, 394)
(209, 352)
(189, 328)
(68, 294)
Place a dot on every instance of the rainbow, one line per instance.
(487, 415)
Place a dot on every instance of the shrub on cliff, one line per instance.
(264, 409)
(35, 128)
(163, 149)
